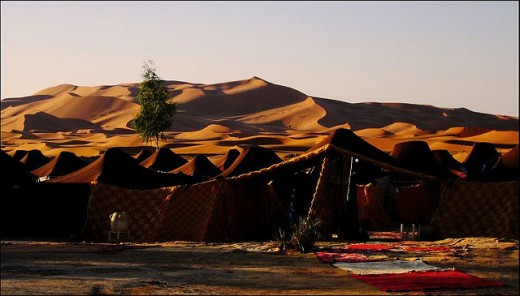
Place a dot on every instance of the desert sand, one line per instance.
(87, 120)
(229, 269)
(211, 119)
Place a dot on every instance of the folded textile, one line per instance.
(385, 267)
(427, 280)
(384, 235)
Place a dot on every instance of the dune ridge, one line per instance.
(212, 118)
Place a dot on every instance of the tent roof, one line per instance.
(34, 159)
(417, 156)
(344, 142)
(65, 163)
(444, 157)
(480, 153)
(510, 159)
(163, 160)
(19, 154)
(14, 172)
(228, 159)
(117, 168)
(200, 166)
(347, 140)
(142, 155)
(251, 158)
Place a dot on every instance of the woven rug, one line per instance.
(327, 257)
(385, 267)
(364, 248)
(427, 280)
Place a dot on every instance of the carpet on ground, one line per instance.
(385, 267)
(426, 280)
(392, 247)
(429, 249)
(327, 257)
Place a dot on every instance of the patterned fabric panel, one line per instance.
(415, 204)
(371, 213)
(144, 209)
(479, 209)
(252, 210)
(190, 212)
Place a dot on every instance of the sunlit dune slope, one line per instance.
(213, 118)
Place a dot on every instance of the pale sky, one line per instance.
(445, 54)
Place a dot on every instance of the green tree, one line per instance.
(156, 112)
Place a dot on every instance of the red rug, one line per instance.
(427, 280)
(370, 247)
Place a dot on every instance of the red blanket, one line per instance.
(427, 280)
(370, 247)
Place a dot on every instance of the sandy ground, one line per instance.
(241, 268)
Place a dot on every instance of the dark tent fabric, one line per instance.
(328, 166)
(199, 167)
(351, 161)
(488, 209)
(510, 159)
(481, 162)
(356, 146)
(509, 165)
(163, 160)
(144, 209)
(417, 156)
(38, 209)
(142, 155)
(13, 172)
(372, 214)
(228, 159)
(481, 152)
(252, 158)
(34, 159)
(214, 211)
(19, 154)
(45, 210)
(118, 168)
(64, 163)
(345, 142)
(445, 157)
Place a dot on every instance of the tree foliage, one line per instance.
(156, 112)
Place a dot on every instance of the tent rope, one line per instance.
(319, 186)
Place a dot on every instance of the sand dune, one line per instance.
(372, 133)
(403, 129)
(213, 118)
(210, 132)
(499, 137)
(301, 116)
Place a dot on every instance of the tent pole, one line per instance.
(350, 176)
